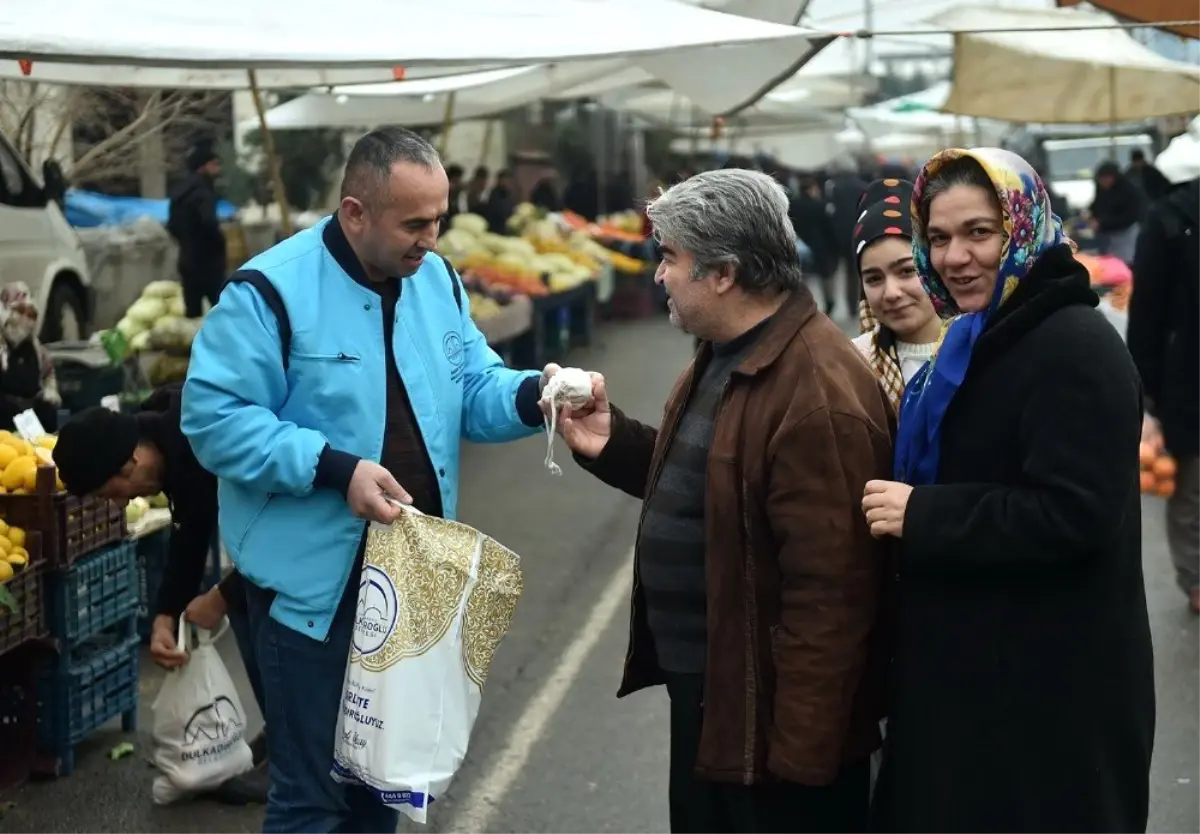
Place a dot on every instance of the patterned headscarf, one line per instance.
(1030, 228)
(884, 212)
(18, 323)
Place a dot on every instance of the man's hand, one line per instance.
(1152, 433)
(163, 649)
(368, 488)
(884, 503)
(587, 430)
(207, 610)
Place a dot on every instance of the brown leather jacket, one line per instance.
(794, 681)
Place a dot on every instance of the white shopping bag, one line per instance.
(435, 599)
(199, 725)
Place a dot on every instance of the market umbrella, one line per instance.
(1047, 66)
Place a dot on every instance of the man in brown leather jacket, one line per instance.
(757, 586)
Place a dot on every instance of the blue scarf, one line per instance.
(1030, 229)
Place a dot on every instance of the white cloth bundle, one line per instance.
(435, 599)
(571, 388)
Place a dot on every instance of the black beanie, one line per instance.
(201, 155)
(93, 446)
(885, 210)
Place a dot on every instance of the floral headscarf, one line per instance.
(1030, 228)
(18, 323)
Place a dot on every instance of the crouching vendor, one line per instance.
(26, 373)
(125, 456)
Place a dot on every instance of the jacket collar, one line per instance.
(339, 247)
(796, 312)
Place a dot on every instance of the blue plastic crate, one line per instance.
(95, 593)
(77, 698)
(151, 562)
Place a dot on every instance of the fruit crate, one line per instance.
(70, 526)
(96, 593)
(19, 713)
(76, 697)
(151, 562)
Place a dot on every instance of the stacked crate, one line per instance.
(90, 607)
(23, 651)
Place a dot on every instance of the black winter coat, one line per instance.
(1022, 680)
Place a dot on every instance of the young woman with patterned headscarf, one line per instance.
(27, 378)
(1022, 682)
(899, 325)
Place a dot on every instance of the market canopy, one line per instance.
(1060, 73)
(303, 35)
(725, 78)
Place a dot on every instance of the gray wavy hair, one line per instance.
(731, 217)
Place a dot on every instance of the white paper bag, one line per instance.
(435, 599)
(199, 725)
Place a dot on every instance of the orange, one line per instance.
(1147, 455)
(1164, 467)
(1166, 488)
(1149, 484)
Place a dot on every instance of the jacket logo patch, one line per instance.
(452, 346)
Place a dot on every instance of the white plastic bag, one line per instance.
(435, 599)
(199, 725)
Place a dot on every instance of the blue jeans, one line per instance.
(302, 684)
(239, 624)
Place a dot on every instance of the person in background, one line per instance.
(124, 456)
(502, 199)
(454, 173)
(477, 190)
(332, 383)
(1116, 210)
(843, 190)
(1164, 338)
(545, 194)
(1058, 203)
(810, 218)
(756, 582)
(1145, 176)
(1022, 679)
(27, 378)
(900, 328)
(193, 222)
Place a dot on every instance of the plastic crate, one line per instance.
(97, 592)
(77, 697)
(85, 374)
(151, 562)
(70, 526)
(18, 714)
(29, 623)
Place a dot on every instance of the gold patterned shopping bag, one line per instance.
(435, 599)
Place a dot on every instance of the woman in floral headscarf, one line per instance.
(27, 377)
(1022, 681)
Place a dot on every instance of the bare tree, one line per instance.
(105, 130)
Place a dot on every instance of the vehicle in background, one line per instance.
(39, 247)
(1070, 164)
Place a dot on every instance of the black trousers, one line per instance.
(700, 807)
(199, 284)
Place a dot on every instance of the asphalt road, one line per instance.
(554, 750)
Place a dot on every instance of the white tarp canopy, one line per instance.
(920, 114)
(1063, 75)
(304, 35)
(725, 78)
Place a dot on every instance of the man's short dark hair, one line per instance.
(454, 172)
(481, 173)
(371, 159)
(1138, 155)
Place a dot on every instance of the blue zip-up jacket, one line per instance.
(263, 428)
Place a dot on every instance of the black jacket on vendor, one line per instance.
(1164, 316)
(192, 493)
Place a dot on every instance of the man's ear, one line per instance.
(725, 278)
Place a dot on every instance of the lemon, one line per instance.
(31, 479)
(17, 558)
(17, 474)
(6, 544)
(7, 455)
(16, 537)
(6, 572)
(3, 527)
(19, 491)
(47, 442)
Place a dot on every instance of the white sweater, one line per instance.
(912, 357)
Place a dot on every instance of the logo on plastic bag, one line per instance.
(214, 722)
(376, 615)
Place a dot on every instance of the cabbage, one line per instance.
(140, 342)
(129, 328)
(163, 289)
(147, 310)
(175, 306)
(469, 222)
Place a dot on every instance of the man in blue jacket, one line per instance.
(339, 370)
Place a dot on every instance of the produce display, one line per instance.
(542, 255)
(13, 556)
(137, 508)
(1158, 471)
(19, 462)
(156, 320)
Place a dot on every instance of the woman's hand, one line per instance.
(884, 503)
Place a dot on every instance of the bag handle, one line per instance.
(204, 637)
(395, 503)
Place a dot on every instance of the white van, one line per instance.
(39, 247)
